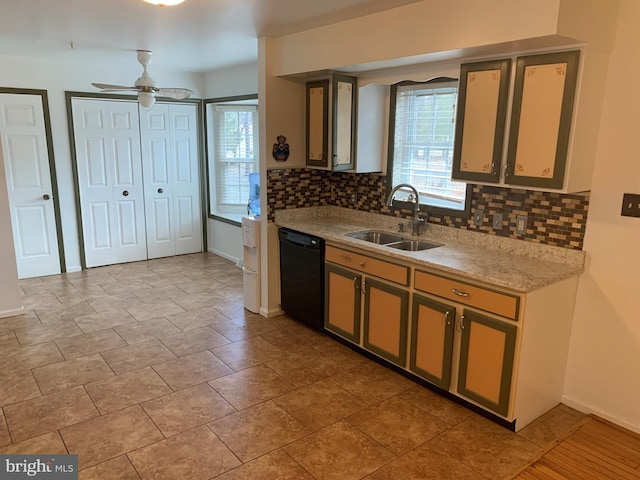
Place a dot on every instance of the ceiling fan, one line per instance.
(146, 86)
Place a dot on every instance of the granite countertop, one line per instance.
(497, 261)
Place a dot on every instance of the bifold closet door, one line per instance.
(109, 166)
(169, 137)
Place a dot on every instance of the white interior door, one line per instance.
(26, 164)
(107, 141)
(172, 183)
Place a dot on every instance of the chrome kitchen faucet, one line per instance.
(417, 221)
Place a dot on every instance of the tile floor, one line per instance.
(154, 370)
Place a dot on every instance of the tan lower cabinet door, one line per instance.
(432, 327)
(385, 320)
(342, 302)
(486, 360)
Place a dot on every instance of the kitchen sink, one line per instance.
(390, 240)
(374, 236)
(412, 245)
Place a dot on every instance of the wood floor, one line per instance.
(596, 450)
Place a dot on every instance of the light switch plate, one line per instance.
(630, 205)
(478, 217)
(497, 221)
(521, 224)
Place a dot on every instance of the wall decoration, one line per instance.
(281, 149)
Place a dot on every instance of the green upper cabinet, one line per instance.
(543, 99)
(331, 111)
(480, 120)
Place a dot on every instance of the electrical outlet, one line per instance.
(497, 221)
(478, 217)
(521, 224)
(630, 205)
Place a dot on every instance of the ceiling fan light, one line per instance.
(164, 3)
(146, 100)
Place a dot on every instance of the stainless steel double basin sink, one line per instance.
(393, 241)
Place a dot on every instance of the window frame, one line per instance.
(209, 135)
(425, 208)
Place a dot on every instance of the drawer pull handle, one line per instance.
(362, 264)
(460, 293)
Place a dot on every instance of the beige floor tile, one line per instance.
(295, 337)
(159, 308)
(232, 309)
(190, 287)
(319, 404)
(251, 386)
(126, 390)
(71, 373)
(397, 424)
(187, 409)
(114, 302)
(552, 426)
(30, 357)
(95, 342)
(242, 328)
(5, 438)
(339, 452)
(144, 331)
(341, 354)
(437, 405)
(119, 468)
(193, 341)
(64, 312)
(33, 302)
(372, 383)
(195, 455)
(258, 430)
(128, 288)
(192, 369)
(17, 388)
(104, 320)
(423, 463)
(305, 366)
(47, 332)
(134, 357)
(247, 353)
(192, 319)
(160, 289)
(46, 443)
(103, 438)
(276, 465)
(29, 319)
(8, 341)
(488, 448)
(40, 415)
(197, 300)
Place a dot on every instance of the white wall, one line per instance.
(57, 77)
(225, 239)
(10, 301)
(602, 371)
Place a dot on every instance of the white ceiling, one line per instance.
(197, 36)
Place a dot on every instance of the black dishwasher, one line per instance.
(302, 276)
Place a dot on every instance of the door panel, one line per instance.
(108, 156)
(342, 302)
(184, 208)
(26, 164)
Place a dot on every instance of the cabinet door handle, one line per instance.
(460, 293)
(364, 286)
(461, 324)
(447, 321)
(355, 282)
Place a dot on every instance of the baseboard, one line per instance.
(274, 312)
(12, 313)
(74, 269)
(590, 409)
(224, 255)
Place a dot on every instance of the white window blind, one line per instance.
(423, 142)
(236, 148)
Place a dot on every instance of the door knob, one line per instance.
(125, 193)
(46, 196)
(160, 190)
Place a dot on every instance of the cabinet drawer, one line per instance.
(372, 266)
(495, 302)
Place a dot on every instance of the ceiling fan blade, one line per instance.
(108, 86)
(177, 93)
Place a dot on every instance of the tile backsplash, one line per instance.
(552, 218)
